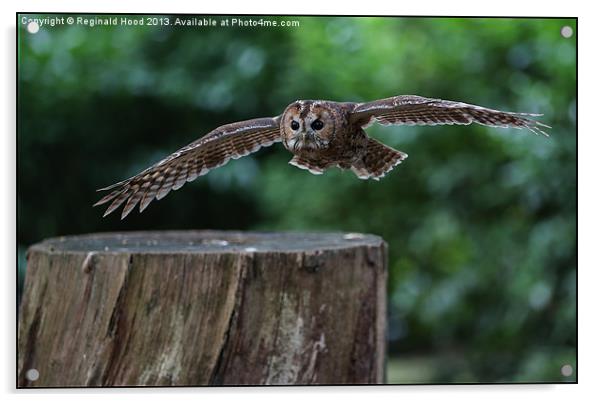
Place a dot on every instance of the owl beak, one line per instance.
(305, 140)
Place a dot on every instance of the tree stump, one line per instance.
(203, 308)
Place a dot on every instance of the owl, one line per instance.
(320, 135)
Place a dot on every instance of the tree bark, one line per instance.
(203, 308)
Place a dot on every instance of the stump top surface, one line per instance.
(205, 242)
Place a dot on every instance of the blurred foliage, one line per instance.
(481, 222)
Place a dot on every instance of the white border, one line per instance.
(589, 199)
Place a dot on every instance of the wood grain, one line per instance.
(204, 308)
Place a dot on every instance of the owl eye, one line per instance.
(317, 125)
(295, 125)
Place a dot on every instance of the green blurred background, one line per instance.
(481, 222)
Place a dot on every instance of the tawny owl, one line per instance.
(320, 134)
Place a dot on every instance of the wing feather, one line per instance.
(416, 110)
(215, 149)
(119, 198)
(181, 178)
(148, 195)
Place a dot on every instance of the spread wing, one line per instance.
(209, 152)
(416, 110)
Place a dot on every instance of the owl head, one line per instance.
(309, 126)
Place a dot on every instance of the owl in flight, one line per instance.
(320, 134)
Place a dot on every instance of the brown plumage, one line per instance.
(320, 134)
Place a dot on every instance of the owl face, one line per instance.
(308, 126)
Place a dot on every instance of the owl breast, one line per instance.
(320, 131)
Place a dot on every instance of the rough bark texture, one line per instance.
(204, 308)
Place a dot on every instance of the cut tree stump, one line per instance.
(203, 308)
